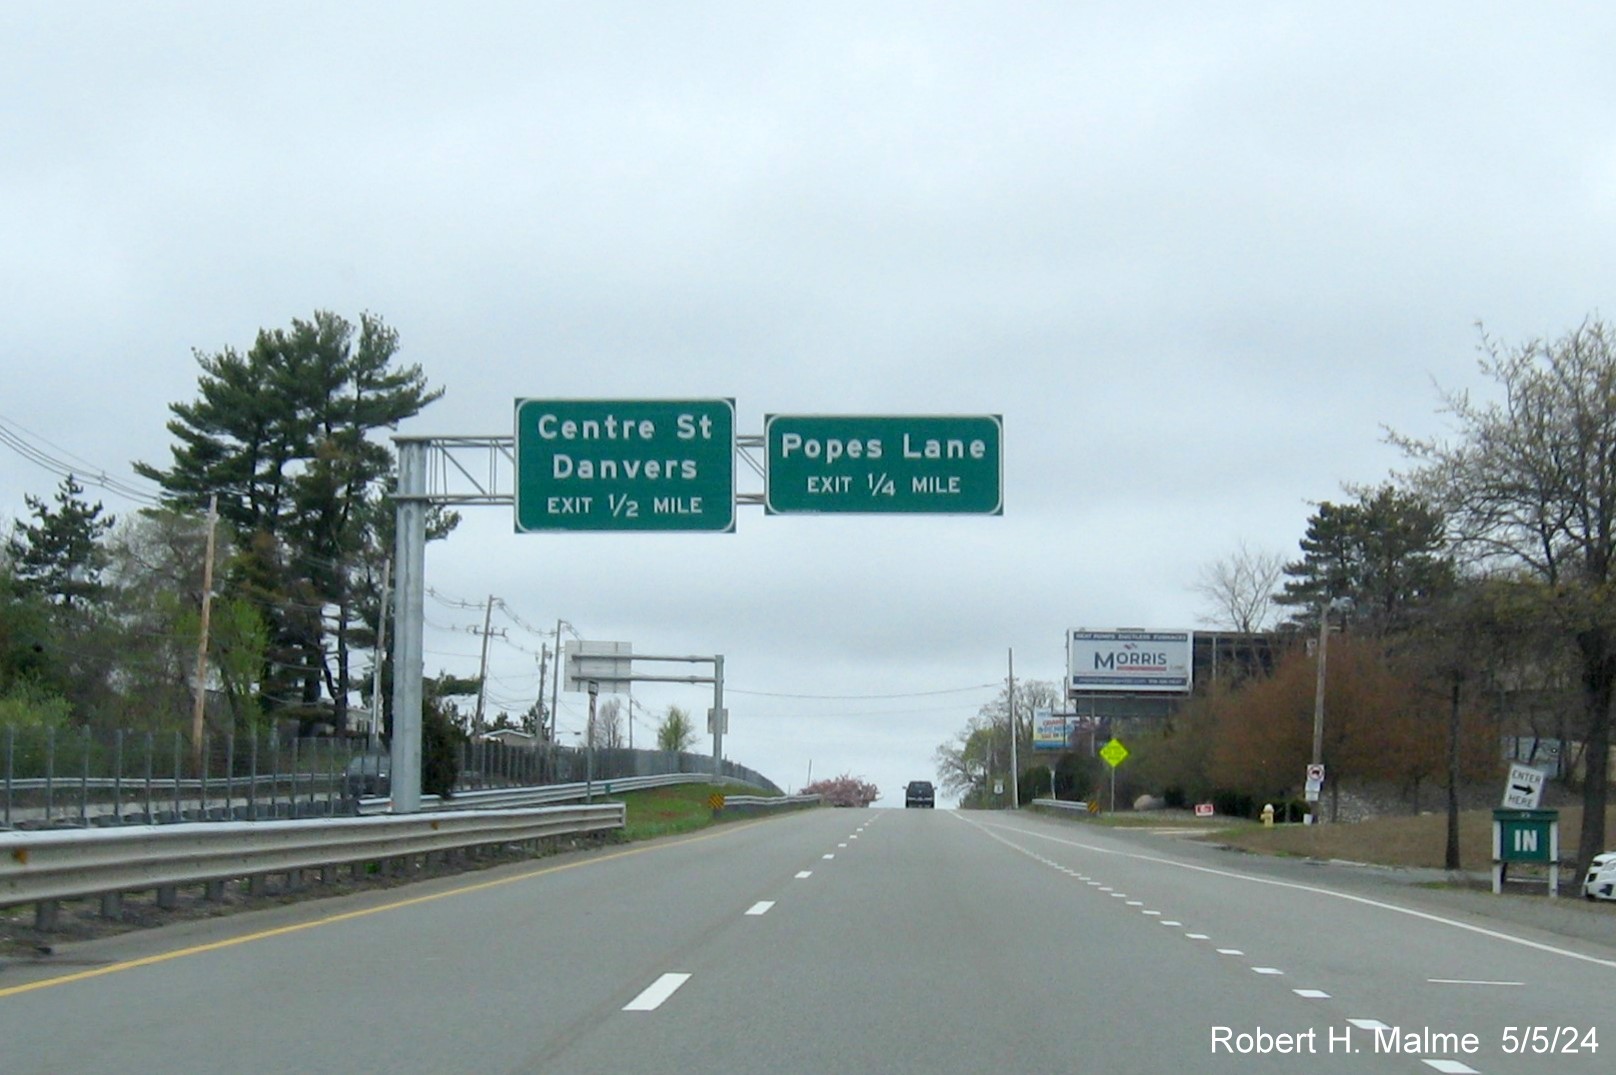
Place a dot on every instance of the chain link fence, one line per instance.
(51, 777)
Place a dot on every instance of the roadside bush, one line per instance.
(1234, 804)
(441, 739)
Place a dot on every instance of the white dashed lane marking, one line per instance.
(1446, 1066)
(656, 993)
(804, 874)
(761, 907)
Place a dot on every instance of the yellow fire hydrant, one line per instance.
(1268, 815)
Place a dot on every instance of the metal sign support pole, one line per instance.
(409, 617)
(718, 718)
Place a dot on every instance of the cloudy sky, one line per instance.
(1197, 259)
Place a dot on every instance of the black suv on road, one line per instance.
(920, 794)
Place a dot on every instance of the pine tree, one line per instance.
(61, 557)
(283, 435)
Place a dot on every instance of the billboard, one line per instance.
(1048, 730)
(1060, 731)
(1128, 661)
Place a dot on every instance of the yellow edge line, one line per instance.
(347, 916)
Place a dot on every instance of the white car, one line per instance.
(1600, 884)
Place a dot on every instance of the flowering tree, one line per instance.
(844, 790)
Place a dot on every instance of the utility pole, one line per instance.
(540, 726)
(482, 671)
(589, 735)
(198, 709)
(555, 684)
(1318, 692)
(1318, 699)
(1015, 766)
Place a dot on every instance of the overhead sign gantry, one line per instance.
(638, 465)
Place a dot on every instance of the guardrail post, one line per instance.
(111, 904)
(168, 897)
(47, 913)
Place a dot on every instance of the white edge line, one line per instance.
(1349, 897)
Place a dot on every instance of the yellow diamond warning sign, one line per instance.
(1114, 753)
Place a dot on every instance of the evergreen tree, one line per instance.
(60, 557)
(283, 435)
(1383, 554)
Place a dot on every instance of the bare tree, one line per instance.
(1530, 483)
(1240, 588)
(609, 724)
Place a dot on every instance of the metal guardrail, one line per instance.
(1062, 804)
(498, 798)
(70, 863)
(768, 804)
(773, 800)
(54, 864)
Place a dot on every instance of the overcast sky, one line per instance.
(1197, 259)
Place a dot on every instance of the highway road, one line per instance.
(837, 941)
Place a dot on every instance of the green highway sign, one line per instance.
(884, 464)
(625, 465)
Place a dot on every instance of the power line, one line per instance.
(21, 441)
(863, 697)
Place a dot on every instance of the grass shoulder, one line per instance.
(670, 811)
